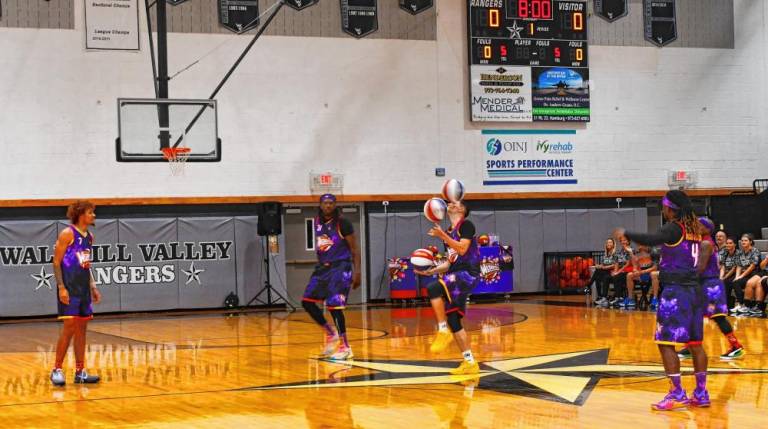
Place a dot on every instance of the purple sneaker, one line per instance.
(673, 401)
(700, 399)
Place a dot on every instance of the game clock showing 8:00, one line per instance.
(528, 60)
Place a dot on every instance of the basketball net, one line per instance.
(177, 156)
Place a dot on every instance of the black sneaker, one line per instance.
(684, 354)
(82, 377)
(733, 353)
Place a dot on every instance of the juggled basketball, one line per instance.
(434, 209)
(453, 190)
(422, 258)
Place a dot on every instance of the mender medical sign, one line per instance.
(529, 157)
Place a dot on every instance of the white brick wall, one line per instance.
(395, 111)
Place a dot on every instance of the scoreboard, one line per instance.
(528, 60)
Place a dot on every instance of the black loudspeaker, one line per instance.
(270, 222)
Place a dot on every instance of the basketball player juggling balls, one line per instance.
(679, 318)
(337, 269)
(461, 274)
(75, 288)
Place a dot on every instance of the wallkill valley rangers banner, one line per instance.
(501, 93)
(239, 15)
(529, 157)
(112, 25)
(139, 264)
(359, 17)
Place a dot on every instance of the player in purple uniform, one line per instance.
(337, 269)
(715, 305)
(461, 274)
(76, 289)
(679, 318)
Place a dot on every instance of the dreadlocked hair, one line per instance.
(685, 212)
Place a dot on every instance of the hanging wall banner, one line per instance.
(504, 93)
(611, 10)
(528, 157)
(415, 6)
(112, 25)
(359, 17)
(239, 15)
(300, 4)
(660, 20)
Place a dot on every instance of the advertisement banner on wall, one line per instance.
(112, 25)
(560, 94)
(529, 157)
(505, 93)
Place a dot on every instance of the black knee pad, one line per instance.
(723, 324)
(435, 290)
(454, 321)
(309, 306)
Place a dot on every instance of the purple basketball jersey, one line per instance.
(330, 245)
(681, 257)
(470, 261)
(76, 265)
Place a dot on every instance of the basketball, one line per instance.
(453, 190)
(422, 258)
(434, 209)
(483, 240)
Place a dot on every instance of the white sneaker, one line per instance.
(743, 309)
(57, 377)
(344, 353)
(735, 308)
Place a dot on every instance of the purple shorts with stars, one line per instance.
(680, 316)
(713, 294)
(458, 285)
(330, 283)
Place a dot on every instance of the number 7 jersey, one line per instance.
(76, 265)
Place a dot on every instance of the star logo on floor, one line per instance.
(565, 377)
(43, 279)
(193, 274)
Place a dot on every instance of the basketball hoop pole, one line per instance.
(267, 285)
(256, 36)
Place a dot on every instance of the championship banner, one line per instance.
(611, 10)
(529, 157)
(660, 21)
(505, 93)
(138, 264)
(112, 25)
(239, 15)
(359, 17)
(300, 4)
(415, 6)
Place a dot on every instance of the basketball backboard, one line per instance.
(145, 126)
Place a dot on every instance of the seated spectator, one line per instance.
(645, 262)
(748, 260)
(754, 294)
(729, 260)
(602, 275)
(619, 276)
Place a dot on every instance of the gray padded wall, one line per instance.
(530, 232)
(240, 271)
(216, 284)
(149, 296)
(19, 292)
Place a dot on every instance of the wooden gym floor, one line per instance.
(547, 362)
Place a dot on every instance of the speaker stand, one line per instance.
(268, 288)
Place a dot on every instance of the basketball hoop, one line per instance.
(177, 158)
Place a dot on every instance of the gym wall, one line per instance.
(384, 112)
